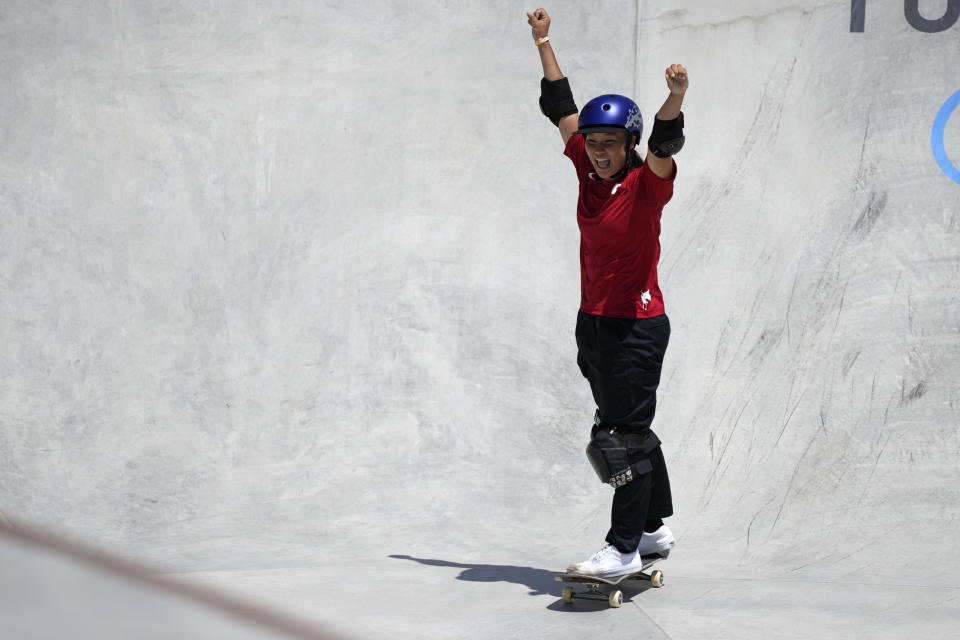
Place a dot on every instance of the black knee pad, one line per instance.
(617, 457)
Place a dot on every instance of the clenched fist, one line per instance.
(677, 80)
(540, 22)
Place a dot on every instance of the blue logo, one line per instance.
(936, 137)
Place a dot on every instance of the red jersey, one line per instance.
(619, 238)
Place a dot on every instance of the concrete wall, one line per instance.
(280, 280)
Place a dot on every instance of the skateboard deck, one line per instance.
(614, 596)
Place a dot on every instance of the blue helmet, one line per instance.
(610, 112)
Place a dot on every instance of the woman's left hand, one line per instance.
(677, 79)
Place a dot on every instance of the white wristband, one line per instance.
(540, 41)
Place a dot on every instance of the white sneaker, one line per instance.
(657, 543)
(609, 563)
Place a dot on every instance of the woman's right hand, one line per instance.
(540, 22)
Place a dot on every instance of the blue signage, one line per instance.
(911, 11)
(936, 137)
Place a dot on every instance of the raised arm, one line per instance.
(667, 138)
(556, 100)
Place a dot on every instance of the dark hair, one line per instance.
(634, 161)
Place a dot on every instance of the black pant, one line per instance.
(622, 359)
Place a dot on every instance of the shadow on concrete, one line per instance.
(539, 582)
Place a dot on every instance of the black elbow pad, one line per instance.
(667, 137)
(556, 99)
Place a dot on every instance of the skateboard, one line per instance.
(614, 596)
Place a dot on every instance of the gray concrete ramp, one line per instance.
(287, 300)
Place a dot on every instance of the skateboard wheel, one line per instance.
(656, 579)
(568, 595)
(616, 599)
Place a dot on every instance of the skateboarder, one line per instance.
(622, 328)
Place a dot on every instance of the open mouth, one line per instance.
(603, 163)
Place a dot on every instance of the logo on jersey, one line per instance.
(645, 298)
